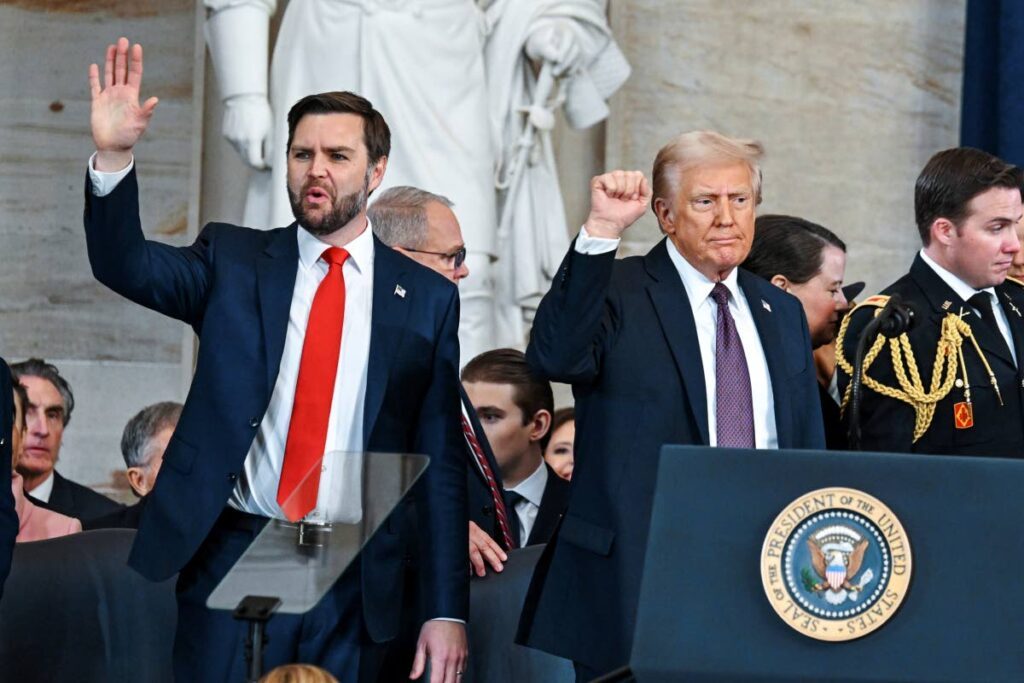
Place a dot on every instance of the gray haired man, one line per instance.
(422, 226)
(143, 444)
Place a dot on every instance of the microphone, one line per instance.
(896, 318)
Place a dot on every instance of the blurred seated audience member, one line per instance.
(34, 523)
(1017, 267)
(808, 261)
(559, 451)
(50, 403)
(298, 673)
(143, 444)
(515, 406)
(8, 513)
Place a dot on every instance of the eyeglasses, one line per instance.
(457, 257)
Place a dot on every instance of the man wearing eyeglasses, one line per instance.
(422, 226)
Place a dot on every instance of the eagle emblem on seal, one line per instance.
(837, 553)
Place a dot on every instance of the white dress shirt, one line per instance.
(965, 292)
(532, 491)
(705, 314)
(42, 491)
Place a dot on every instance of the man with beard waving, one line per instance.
(314, 338)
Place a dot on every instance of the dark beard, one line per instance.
(343, 211)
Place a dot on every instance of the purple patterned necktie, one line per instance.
(733, 404)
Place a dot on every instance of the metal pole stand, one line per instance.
(257, 611)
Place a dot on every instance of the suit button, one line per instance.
(232, 477)
(253, 422)
(487, 509)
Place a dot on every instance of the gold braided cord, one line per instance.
(911, 389)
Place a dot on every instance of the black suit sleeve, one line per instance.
(444, 573)
(8, 515)
(574, 321)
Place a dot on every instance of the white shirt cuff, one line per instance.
(103, 183)
(592, 246)
(457, 621)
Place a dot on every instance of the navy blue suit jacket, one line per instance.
(234, 287)
(623, 334)
(8, 515)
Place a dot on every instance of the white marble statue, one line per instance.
(454, 80)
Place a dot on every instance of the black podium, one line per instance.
(704, 612)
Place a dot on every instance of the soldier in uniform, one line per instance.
(953, 383)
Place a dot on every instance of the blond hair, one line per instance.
(702, 148)
(298, 673)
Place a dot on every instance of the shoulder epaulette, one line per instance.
(876, 301)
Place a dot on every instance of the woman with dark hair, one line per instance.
(558, 452)
(808, 261)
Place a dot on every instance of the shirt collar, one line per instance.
(698, 286)
(360, 249)
(532, 488)
(961, 288)
(42, 491)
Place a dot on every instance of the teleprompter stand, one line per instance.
(290, 566)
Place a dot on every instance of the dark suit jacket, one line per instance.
(623, 334)
(126, 517)
(552, 506)
(835, 430)
(234, 287)
(74, 500)
(481, 502)
(8, 515)
(887, 424)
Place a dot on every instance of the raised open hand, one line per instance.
(617, 200)
(118, 121)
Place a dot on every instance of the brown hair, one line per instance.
(376, 134)
(560, 417)
(509, 366)
(951, 179)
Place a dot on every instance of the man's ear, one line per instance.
(780, 281)
(137, 481)
(539, 425)
(663, 211)
(377, 175)
(942, 231)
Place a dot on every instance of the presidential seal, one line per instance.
(836, 564)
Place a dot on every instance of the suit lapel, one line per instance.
(276, 269)
(1015, 316)
(61, 495)
(552, 504)
(387, 325)
(676, 318)
(772, 342)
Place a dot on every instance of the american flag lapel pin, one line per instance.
(400, 291)
(766, 305)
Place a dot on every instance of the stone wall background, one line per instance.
(117, 356)
(850, 100)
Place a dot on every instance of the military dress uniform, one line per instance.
(952, 384)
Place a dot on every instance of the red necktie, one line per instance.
(499, 502)
(314, 390)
